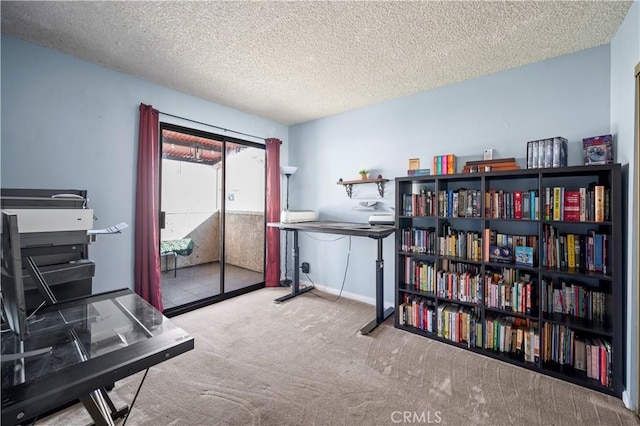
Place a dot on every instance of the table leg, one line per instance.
(295, 285)
(97, 408)
(381, 314)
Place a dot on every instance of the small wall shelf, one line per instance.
(348, 185)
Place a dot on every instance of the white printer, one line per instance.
(297, 216)
(382, 219)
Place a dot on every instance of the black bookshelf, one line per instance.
(607, 331)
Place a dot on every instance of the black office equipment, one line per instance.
(61, 255)
(74, 349)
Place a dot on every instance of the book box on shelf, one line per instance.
(522, 266)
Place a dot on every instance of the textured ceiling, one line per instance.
(297, 61)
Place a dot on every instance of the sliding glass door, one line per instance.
(212, 217)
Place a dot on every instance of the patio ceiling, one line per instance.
(195, 149)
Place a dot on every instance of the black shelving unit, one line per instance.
(427, 224)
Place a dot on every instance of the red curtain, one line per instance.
(147, 227)
(272, 274)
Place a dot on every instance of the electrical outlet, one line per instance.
(305, 267)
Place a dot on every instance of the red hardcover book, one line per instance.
(572, 206)
(517, 205)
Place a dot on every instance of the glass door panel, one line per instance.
(190, 218)
(244, 216)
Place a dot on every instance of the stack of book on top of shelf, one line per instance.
(499, 164)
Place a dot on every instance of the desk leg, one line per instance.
(115, 412)
(295, 285)
(381, 314)
(101, 408)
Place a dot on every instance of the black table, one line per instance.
(377, 232)
(95, 341)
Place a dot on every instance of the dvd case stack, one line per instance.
(547, 153)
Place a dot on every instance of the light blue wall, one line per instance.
(566, 96)
(67, 123)
(625, 54)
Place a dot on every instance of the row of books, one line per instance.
(583, 205)
(592, 355)
(460, 203)
(546, 153)
(422, 204)
(419, 240)
(493, 239)
(519, 296)
(459, 324)
(426, 277)
(417, 312)
(515, 336)
(420, 275)
(558, 251)
(498, 247)
(499, 204)
(575, 251)
(444, 164)
(465, 287)
(453, 243)
(461, 244)
(575, 300)
(516, 296)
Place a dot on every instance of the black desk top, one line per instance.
(342, 228)
(96, 341)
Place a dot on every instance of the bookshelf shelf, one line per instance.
(575, 273)
(510, 313)
(500, 204)
(460, 260)
(579, 324)
(456, 302)
(510, 265)
(577, 377)
(412, 290)
(456, 218)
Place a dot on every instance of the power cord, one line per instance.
(286, 251)
(344, 277)
(135, 397)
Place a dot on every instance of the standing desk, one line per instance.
(94, 342)
(377, 232)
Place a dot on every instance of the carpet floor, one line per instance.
(304, 362)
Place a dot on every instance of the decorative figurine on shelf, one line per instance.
(363, 173)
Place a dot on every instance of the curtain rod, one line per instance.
(211, 125)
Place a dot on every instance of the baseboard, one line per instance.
(628, 403)
(351, 296)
